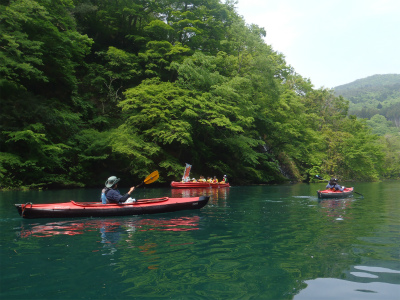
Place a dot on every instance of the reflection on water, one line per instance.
(113, 231)
(331, 288)
(217, 196)
(260, 242)
(372, 283)
(108, 227)
(337, 209)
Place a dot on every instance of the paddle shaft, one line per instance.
(359, 194)
(139, 185)
(320, 178)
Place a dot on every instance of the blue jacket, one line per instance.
(335, 186)
(114, 196)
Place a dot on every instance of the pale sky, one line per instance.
(331, 42)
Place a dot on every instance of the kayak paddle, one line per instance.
(320, 178)
(359, 194)
(150, 179)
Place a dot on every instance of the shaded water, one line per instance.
(259, 242)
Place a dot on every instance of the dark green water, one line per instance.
(261, 242)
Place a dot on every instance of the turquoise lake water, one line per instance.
(253, 242)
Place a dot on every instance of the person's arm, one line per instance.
(115, 197)
(127, 195)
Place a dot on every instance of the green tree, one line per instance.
(40, 104)
(92, 87)
(381, 126)
(391, 165)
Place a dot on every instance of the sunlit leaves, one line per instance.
(137, 152)
(155, 109)
(134, 86)
(354, 155)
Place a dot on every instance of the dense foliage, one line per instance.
(374, 95)
(93, 88)
(377, 99)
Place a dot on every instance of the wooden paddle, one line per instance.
(150, 179)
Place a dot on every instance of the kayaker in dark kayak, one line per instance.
(110, 194)
(332, 184)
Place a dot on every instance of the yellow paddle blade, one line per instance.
(152, 177)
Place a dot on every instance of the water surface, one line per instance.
(259, 242)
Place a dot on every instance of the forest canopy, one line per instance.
(94, 88)
(374, 95)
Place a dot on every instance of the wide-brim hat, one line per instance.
(112, 181)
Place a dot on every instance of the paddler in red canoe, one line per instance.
(111, 194)
(334, 186)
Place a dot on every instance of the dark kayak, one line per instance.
(336, 193)
(97, 209)
(191, 185)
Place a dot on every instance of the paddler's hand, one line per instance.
(131, 190)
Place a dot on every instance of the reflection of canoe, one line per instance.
(109, 226)
(335, 194)
(191, 185)
(215, 194)
(96, 209)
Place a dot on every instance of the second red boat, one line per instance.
(191, 185)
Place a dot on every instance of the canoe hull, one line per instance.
(94, 209)
(191, 185)
(335, 194)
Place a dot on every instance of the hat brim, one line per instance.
(109, 185)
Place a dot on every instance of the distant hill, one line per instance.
(373, 95)
(371, 81)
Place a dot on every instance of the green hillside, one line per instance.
(94, 88)
(374, 95)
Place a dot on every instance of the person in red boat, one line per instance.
(112, 194)
(224, 180)
(332, 184)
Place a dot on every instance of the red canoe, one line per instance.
(335, 194)
(97, 209)
(191, 185)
